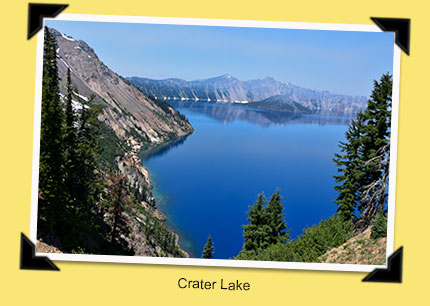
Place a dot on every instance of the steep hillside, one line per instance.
(134, 118)
(128, 111)
(228, 89)
(360, 249)
(131, 122)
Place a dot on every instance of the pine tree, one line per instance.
(70, 184)
(349, 167)
(364, 161)
(375, 150)
(275, 220)
(51, 184)
(208, 249)
(118, 198)
(256, 233)
(70, 147)
(266, 223)
(89, 182)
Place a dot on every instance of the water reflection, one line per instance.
(162, 149)
(227, 113)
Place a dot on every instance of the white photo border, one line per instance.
(216, 262)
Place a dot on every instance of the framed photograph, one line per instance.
(215, 142)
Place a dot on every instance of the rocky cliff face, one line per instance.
(141, 122)
(227, 88)
(128, 110)
(134, 117)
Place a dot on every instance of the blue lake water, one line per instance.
(206, 182)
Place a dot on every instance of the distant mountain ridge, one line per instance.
(268, 92)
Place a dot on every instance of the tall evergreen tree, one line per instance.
(51, 184)
(364, 161)
(266, 223)
(375, 149)
(350, 169)
(118, 198)
(70, 146)
(275, 220)
(70, 184)
(89, 182)
(208, 249)
(256, 233)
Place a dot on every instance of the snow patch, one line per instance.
(67, 38)
(80, 96)
(77, 105)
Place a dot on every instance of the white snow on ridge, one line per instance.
(80, 96)
(75, 104)
(67, 38)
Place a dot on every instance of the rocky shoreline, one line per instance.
(136, 218)
(131, 167)
(133, 122)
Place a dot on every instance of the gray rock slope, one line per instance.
(127, 110)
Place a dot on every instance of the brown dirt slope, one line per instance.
(360, 249)
(42, 247)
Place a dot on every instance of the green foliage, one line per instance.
(256, 233)
(266, 223)
(275, 219)
(349, 167)
(310, 245)
(110, 147)
(117, 199)
(51, 169)
(208, 249)
(77, 150)
(364, 160)
(135, 134)
(161, 236)
(379, 226)
(69, 183)
(316, 240)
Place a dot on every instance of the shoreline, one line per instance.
(130, 164)
(159, 197)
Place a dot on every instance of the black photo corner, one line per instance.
(393, 272)
(401, 27)
(29, 260)
(38, 11)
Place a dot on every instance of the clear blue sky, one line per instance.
(338, 61)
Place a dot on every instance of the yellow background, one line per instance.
(122, 284)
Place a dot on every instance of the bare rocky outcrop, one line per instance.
(135, 118)
(126, 109)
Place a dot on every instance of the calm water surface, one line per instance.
(205, 183)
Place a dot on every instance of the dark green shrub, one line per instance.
(379, 226)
